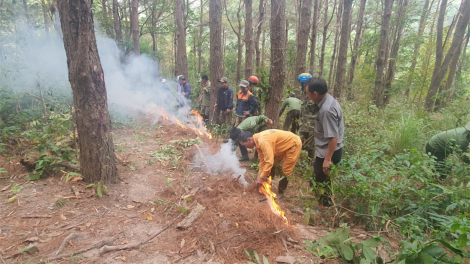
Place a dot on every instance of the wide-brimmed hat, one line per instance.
(467, 126)
(223, 80)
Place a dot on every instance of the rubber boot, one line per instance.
(281, 188)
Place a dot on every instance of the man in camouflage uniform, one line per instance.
(205, 97)
(308, 114)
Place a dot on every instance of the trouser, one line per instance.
(321, 177)
(440, 160)
(239, 120)
(225, 118)
(310, 145)
(292, 118)
(205, 112)
(288, 160)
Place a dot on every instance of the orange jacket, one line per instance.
(273, 143)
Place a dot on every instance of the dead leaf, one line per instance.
(123, 258)
(204, 178)
(77, 179)
(6, 187)
(44, 240)
(32, 239)
(11, 199)
(63, 217)
(153, 209)
(182, 243)
(88, 224)
(149, 217)
(234, 225)
(130, 206)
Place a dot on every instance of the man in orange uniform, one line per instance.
(274, 146)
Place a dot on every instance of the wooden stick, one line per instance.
(106, 248)
(36, 216)
(203, 159)
(108, 241)
(67, 239)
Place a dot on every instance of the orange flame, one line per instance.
(275, 208)
(196, 126)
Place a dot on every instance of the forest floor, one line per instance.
(51, 218)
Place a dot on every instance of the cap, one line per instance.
(244, 83)
(467, 126)
(223, 80)
(292, 94)
(163, 80)
(181, 77)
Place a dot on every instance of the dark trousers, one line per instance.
(320, 176)
(281, 188)
(292, 118)
(440, 160)
(243, 149)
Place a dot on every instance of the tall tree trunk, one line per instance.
(278, 59)
(135, 26)
(258, 32)
(263, 50)
(422, 24)
(452, 71)
(302, 36)
(343, 48)
(248, 38)
(47, 19)
(216, 59)
(201, 30)
(392, 62)
(181, 55)
(238, 33)
(335, 46)
(461, 63)
(355, 52)
(117, 23)
(326, 24)
(26, 13)
(127, 29)
(378, 95)
(440, 69)
(313, 41)
(86, 77)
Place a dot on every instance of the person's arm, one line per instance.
(208, 87)
(329, 153)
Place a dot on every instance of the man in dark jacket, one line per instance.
(185, 89)
(224, 104)
(246, 103)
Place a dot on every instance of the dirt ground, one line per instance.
(50, 217)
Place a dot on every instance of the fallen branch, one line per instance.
(36, 216)
(203, 159)
(64, 243)
(108, 241)
(106, 249)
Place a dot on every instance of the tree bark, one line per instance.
(422, 24)
(239, 38)
(313, 41)
(440, 69)
(201, 30)
(326, 24)
(258, 32)
(248, 39)
(26, 13)
(378, 95)
(216, 59)
(335, 46)
(86, 77)
(117, 23)
(278, 59)
(355, 53)
(135, 26)
(392, 62)
(302, 36)
(181, 55)
(343, 49)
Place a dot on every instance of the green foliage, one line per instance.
(406, 134)
(339, 242)
(16, 188)
(255, 258)
(59, 203)
(99, 188)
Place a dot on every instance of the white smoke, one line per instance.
(225, 161)
(29, 60)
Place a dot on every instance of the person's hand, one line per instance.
(270, 122)
(228, 111)
(246, 113)
(259, 181)
(215, 105)
(204, 88)
(183, 93)
(326, 165)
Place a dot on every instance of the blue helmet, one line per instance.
(303, 77)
